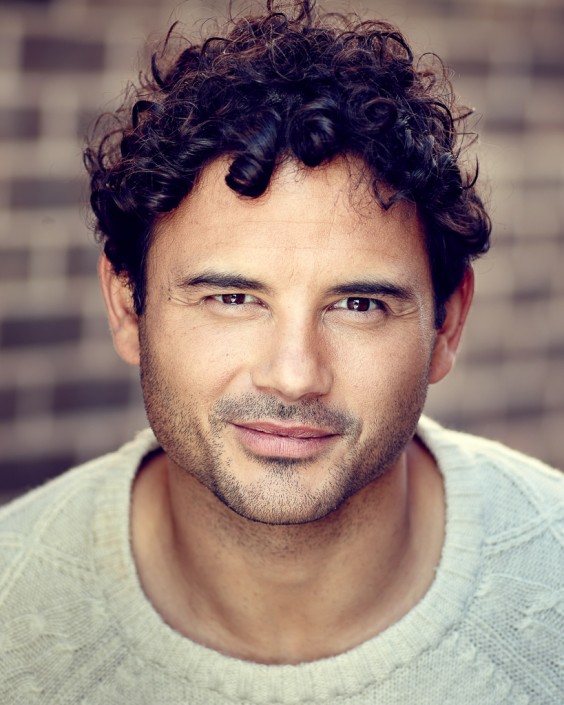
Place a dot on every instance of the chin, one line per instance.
(288, 518)
(282, 499)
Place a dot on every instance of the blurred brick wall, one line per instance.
(65, 396)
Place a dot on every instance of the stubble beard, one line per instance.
(280, 497)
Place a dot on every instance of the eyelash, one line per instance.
(358, 306)
(220, 298)
(237, 299)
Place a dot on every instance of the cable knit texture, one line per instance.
(75, 626)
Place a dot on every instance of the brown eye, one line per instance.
(358, 304)
(233, 299)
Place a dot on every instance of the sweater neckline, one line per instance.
(158, 646)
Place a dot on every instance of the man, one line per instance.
(287, 233)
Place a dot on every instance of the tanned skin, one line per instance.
(286, 347)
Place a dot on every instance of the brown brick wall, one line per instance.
(65, 396)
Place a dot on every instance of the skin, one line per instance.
(285, 349)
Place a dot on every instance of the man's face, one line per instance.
(286, 342)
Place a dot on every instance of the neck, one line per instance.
(287, 594)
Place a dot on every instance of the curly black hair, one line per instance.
(295, 84)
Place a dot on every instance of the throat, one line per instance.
(286, 594)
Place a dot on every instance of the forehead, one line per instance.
(327, 216)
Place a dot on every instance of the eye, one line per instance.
(234, 299)
(360, 303)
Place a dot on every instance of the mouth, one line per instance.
(269, 439)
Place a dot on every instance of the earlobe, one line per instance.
(124, 323)
(448, 337)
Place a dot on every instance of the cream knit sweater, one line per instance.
(75, 626)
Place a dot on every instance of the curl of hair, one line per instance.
(297, 85)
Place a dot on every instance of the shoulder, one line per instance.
(520, 499)
(48, 533)
(45, 503)
(496, 468)
(52, 604)
(514, 618)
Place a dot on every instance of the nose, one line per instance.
(293, 363)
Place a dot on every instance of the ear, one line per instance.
(448, 337)
(124, 323)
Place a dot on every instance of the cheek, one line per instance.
(380, 367)
(203, 359)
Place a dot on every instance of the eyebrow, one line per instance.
(222, 280)
(228, 280)
(369, 287)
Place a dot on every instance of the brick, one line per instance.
(470, 67)
(58, 54)
(25, 332)
(81, 260)
(547, 68)
(30, 2)
(14, 264)
(512, 124)
(34, 401)
(529, 435)
(8, 399)
(51, 192)
(89, 395)
(534, 293)
(85, 121)
(547, 42)
(24, 473)
(19, 123)
(478, 420)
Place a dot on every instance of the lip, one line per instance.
(270, 439)
(289, 431)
